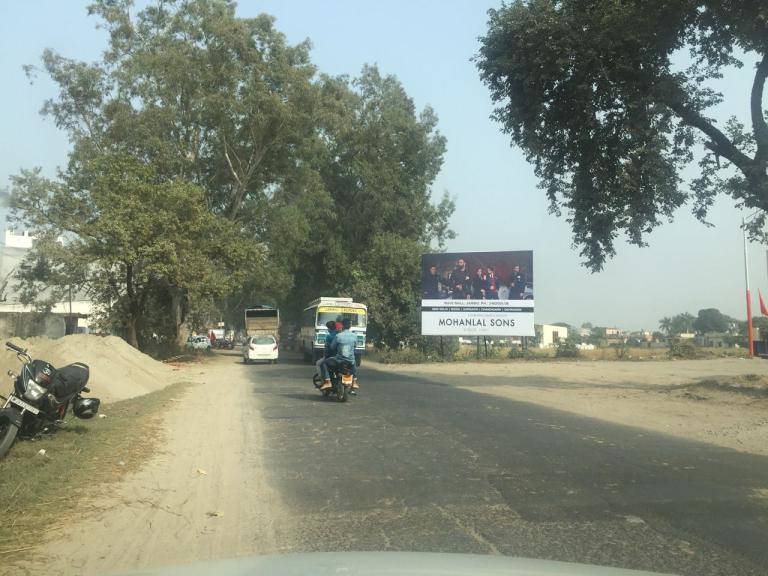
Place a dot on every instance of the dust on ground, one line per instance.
(720, 401)
(118, 371)
(204, 494)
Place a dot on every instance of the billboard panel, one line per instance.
(477, 294)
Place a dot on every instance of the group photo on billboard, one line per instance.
(477, 294)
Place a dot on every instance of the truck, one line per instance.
(262, 321)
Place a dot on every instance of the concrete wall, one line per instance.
(27, 324)
(546, 333)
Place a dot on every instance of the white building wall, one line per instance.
(21, 240)
(548, 332)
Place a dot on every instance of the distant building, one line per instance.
(17, 319)
(549, 335)
(23, 240)
(686, 336)
(715, 340)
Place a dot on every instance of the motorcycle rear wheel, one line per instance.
(341, 392)
(8, 433)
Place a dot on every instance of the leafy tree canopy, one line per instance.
(327, 179)
(112, 230)
(712, 320)
(588, 89)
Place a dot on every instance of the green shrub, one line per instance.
(520, 353)
(567, 349)
(408, 355)
(433, 349)
(682, 350)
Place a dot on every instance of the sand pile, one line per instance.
(118, 371)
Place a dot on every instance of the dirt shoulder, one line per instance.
(202, 495)
(721, 401)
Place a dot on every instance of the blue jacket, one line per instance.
(343, 346)
(328, 340)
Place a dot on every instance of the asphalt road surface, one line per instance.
(415, 465)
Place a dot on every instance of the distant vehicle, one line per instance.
(223, 344)
(262, 321)
(260, 348)
(217, 332)
(320, 311)
(198, 343)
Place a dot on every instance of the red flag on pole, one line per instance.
(763, 309)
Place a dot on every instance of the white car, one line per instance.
(198, 343)
(260, 348)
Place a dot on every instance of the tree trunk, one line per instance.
(179, 317)
(130, 329)
(130, 322)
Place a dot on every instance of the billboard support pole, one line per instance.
(442, 350)
(477, 341)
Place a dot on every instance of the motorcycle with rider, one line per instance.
(338, 370)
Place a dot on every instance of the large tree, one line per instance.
(712, 320)
(113, 230)
(328, 178)
(590, 91)
(204, 97)
(380, 158)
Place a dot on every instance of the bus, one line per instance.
(318, 313)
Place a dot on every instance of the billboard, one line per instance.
(477, 294)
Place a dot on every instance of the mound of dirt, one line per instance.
(753, 384)
(118, 371)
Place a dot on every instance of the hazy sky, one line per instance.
(428, 45)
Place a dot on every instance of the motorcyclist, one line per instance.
(342, 349)
(332, 331)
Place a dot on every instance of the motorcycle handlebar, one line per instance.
(13, 346)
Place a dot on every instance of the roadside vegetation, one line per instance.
(43, 480)
(468, 353)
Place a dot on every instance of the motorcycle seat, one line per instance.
(71, 379)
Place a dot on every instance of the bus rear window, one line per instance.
(358, 317)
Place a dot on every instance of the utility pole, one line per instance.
(746, 281)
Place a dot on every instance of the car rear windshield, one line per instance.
(264, 340)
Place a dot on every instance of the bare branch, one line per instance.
(231, 167)
(718, 142)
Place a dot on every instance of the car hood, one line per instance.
(386, 564)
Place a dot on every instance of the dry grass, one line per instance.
(40, 492)
(468, 353)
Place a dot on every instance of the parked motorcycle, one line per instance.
(341, 381)
(41, 396)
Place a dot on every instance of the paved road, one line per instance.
(414, 464)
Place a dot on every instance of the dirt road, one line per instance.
(203, 496)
